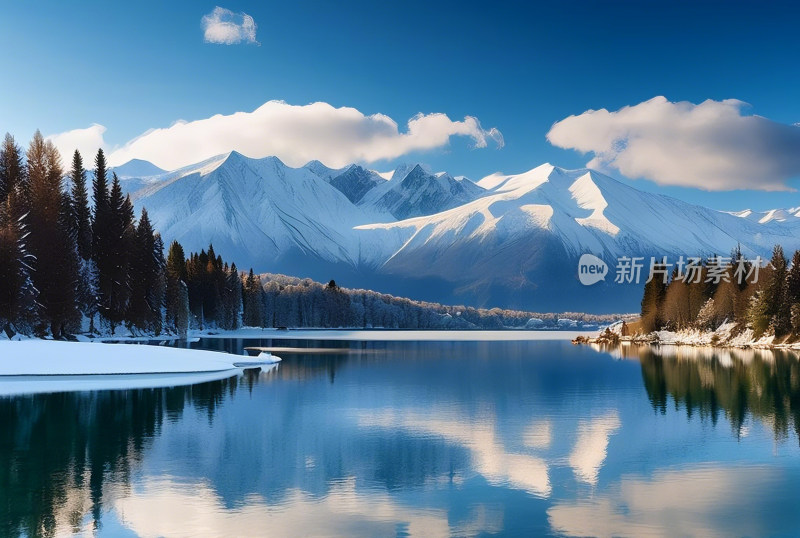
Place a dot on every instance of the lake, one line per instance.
(428, 439)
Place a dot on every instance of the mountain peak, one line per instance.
(405, 169)
(138, 168)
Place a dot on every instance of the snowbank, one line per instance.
(39, 366)
(47, 357)
(37, 384)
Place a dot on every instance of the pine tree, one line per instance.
(793, 291)
(177, 297)
(81, 213)
(195, 273)
(101, 239)
(253, 305)
(652, 303)
(54, 252)
(144, 308)
(776, 293)
(12, 169)
(758, 315)
(121, 235)
(212, 282)
(231, 301)
(158, 288)
(13, 269)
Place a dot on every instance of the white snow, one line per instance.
(25, 384)
(47, 357)
(37, 366)
(264, 214)
(771, 215)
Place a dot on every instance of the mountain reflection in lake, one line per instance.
(419, 439)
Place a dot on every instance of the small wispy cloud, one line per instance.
(224, 27)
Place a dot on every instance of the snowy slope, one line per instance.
(763, 217)
(509, 240)
(519, 244)
(414, 191)
(259, 213)
(356, 182)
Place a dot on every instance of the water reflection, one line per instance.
(488, 455)
(60, 450)
(592, 445)
(696, 501)
(734, 383)
(417, 439)
(165, 508)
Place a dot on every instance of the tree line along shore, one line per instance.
(716, 306)
(74, 258)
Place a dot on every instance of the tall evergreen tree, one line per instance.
(231, 300)
(195, 274)
(102, 241)
(177, 297)
(253, 304)
(776, 293)
(793, 291)
(121, 233)
(12, 168)
(53, 250)
(13, 270)
(652, 302)
(82, 214)
(144, 308)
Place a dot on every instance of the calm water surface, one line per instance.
(419, 439)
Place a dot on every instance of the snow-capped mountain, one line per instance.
(508, 240)
(355, 182)
(414, 191)
(137, 168)
(137, 174)
(259, 213)
(762, 217)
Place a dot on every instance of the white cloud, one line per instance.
(698, 501)
(711, 146)
(489, 455)
(87, 141)
(591, 448)
(298, 134)
(224, 27)
(170, 509)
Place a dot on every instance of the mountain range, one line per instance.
(510, 241)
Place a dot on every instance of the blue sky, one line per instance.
(519, 67)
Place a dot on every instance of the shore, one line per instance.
(32, 366)
(724, 336)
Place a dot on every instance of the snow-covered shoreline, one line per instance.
(49, 357)
(725, 336)
(35, 366)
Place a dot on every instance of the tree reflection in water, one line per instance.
(734, 383)
(60, 451)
